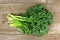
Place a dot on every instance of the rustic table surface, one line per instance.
(19, 6)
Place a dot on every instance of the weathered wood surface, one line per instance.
(19, 6)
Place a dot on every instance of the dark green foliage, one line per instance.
(36, 20)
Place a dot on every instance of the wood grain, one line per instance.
(53, 1)
(20, 6)
(29, 37)
(21, 1)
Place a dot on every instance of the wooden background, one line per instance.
(19, 6)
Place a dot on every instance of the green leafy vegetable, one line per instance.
(36, 20)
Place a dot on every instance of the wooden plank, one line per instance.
(6, 1)
(16, 37)
(14, 8)
(10, 32)
(29, 37)
(21, 1)
(25, 1)
(53, 1)
(30, 1)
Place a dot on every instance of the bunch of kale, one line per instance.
(35, 20)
